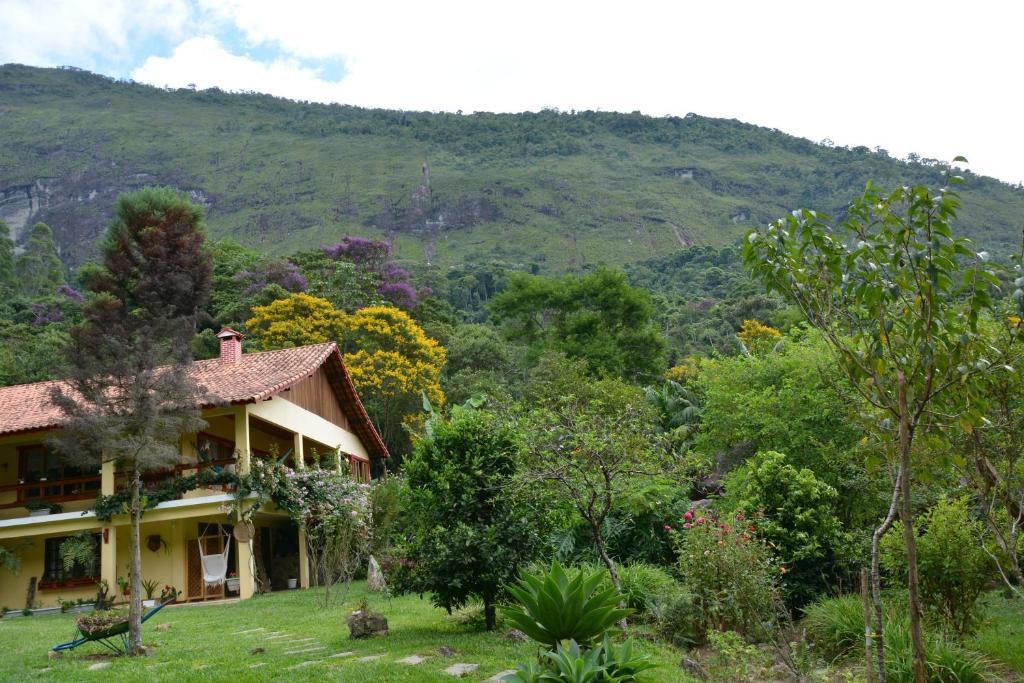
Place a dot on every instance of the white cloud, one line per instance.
(85, 33)
(204, 62)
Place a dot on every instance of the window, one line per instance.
(360, 469)
(38, 464)
(53, 566)
(210, 448)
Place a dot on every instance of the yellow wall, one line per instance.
(14, 587)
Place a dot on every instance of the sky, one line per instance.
(938, 79)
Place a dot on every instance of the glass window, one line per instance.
(53, 566)
(41, 465)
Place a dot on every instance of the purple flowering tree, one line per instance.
(373, 257)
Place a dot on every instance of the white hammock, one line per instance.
(215, 566)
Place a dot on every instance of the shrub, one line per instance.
(945, 661)
(729, 573)
(953, 567)
(678, 620)
(556, 607)
(799, 522)
(835, 626)
(644, 586)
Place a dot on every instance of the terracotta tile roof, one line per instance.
(256, 377)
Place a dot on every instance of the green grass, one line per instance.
(202, 644)
(1001, 635)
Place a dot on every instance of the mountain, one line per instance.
(553, 190)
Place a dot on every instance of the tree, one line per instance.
(599, 318)
(8, 283)
(392, 362)
(595, 446)
(294, 321)
(129, 396)
(796, 516)
(393, 365)
(469, 531)
(898, 298)
(38, 268)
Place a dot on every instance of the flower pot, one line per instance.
(149, 603)
(38, 513)
(293, 583)
(233, 584)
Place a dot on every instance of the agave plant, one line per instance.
(554, 607)
(569, 663)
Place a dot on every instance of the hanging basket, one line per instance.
(244, 532)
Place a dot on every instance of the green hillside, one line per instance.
(559, 190)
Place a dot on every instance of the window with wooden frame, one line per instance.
(54, 573)
(57, 480)
(360, 469)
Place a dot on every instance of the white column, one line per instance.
(298, 452)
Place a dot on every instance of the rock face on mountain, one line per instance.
(551, 190)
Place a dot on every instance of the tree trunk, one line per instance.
(865, 595)
(135, 599)
(909, 540)
(876, 576)
(610, 564)
(489, 616)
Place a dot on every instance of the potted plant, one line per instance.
(150, 587)
(126, 588)
(169, 594)
(38, 508)
(233, 582)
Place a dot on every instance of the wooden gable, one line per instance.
(316, 395)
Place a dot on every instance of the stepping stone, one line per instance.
(369, 658)
(202, 666)
(460, 670)
(98, 666)
(238, 633)
(302, 665)
(414, 659)
(277, 637)
(303, 651)
(257, 665)
(496, 678)
(340, 654)
(301, 640)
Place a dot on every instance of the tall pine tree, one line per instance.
(129, 397)
(38, 269)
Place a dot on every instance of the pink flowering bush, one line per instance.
(728, 572)
(332, 509)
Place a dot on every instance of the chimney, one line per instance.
(230, 345)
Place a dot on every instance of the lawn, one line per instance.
(209, 643)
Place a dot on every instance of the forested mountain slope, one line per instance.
(556, 191)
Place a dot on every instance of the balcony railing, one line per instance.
(88, 487)
(55, 491)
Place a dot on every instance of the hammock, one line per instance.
(215, 566)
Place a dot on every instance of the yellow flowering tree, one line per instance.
(295, 320)
(392, 362)
(757, 337)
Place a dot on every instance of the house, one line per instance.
(297, 402)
